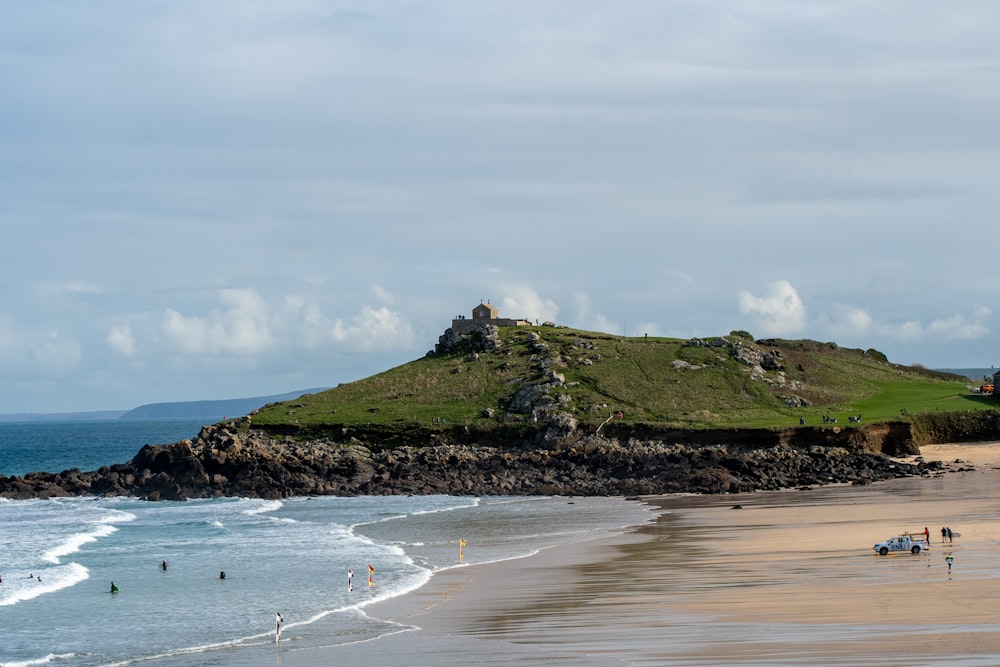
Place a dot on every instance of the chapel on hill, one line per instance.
(484, 313)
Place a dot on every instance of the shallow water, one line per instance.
(59, 557)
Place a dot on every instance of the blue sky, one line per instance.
(224, 199)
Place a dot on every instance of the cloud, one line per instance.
(373, 329)
(957, 327)
(522, 301)
(253, 326)
(243, 328)
(853, 323)
(121, 339)
(779, 313)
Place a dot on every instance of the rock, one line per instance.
(555, 458)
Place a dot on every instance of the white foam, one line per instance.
(74, 542)
(265, 506)
(55, 579)
(39, 661)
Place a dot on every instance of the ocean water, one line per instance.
(57, 445)
(58, 559)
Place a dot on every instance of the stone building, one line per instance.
(484, 313)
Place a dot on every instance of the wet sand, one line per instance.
(789, 579)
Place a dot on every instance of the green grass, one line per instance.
(656, 380)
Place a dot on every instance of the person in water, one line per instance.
(222, 575)
(163, 566)
(114, 589)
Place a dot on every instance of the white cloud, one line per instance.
(957, 327)
(853, 323)
(522, 301)
(243, 328)
(779, 313)
(121, 339)
(373, 329)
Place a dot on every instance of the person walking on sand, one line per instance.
(949, 559)
(927, 535)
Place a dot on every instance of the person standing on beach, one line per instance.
(950, 536)
(944, 534)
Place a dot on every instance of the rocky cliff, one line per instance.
(232, 459)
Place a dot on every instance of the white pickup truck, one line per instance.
(912, 542)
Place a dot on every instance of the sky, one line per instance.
(223, 199)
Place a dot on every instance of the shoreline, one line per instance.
(791, 577)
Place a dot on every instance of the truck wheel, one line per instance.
(915, 550)
(883, 551)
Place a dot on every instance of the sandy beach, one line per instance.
(776, 578)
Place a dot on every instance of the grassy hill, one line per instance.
(730, 381)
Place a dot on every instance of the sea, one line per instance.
(316, 561)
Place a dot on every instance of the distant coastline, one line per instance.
(211, 410)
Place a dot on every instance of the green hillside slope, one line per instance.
(527, 374)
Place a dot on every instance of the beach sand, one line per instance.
(788, 578)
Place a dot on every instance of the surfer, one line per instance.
(163, 566)
(350, 580)
(222, 575)
(278, 620)
(114, 589)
